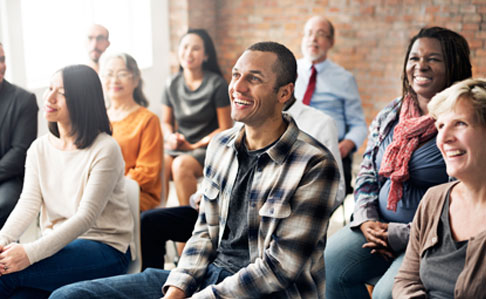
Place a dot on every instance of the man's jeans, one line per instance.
(147, 284)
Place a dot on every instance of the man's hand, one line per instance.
(195, 200)
(345, 147)
(13, 258)
(376, 235)
(174, 293)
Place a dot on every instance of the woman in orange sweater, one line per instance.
(135, 128)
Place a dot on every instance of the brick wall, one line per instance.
(371, 35)
(184, 14)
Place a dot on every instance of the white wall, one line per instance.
(154, 77)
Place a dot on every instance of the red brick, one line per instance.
(371, 35)
(475, 44)
(432, 9)
(481, 8)
(471, 18)
(470, 26)
(467, 9)
(481, 53)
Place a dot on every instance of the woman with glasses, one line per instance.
(136, 129)
(195, 106)
(74, 178)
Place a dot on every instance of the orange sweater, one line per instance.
(140, 139)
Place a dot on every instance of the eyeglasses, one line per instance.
(120, 75)
(318, 34)
(98, 38)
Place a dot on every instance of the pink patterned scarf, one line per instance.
(412, 130)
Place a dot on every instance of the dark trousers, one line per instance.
(9, 195)
(348, 172)
(160, 225)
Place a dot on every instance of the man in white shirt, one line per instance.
(323, 128)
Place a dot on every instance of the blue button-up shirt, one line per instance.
(336, 94)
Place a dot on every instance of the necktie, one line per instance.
(310, 87)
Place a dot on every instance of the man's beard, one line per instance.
(309, 56)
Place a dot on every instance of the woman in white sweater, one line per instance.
(74, 177)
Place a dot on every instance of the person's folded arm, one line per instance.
(367, 186)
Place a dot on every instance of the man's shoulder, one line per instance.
(336, 69)
(23, 99)
(310, 145)
(312, 120)
(18, 91)
(306, 146)
(225, 137)
(305, 113)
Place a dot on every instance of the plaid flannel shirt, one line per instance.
(290, 202)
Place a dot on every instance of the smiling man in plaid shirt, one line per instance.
(268, 191)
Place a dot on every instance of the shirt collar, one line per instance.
(319, 66)
(279, 151)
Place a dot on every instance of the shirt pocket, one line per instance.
(210, 190)
(272, 213)
(211, 195)
(275, 208)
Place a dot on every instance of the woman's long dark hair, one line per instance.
(85, 104)
(455, 51)
(211, 64)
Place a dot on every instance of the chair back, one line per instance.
(133, 194)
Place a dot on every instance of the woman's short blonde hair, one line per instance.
(472, 91)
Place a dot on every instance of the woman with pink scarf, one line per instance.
(400, 163)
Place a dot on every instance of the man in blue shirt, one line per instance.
(335, 91)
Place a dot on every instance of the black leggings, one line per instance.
(161, 225)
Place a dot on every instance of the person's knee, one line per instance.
(72, 291)
(147, 218)
(383, 289)
(184, 166)
(343, 256)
